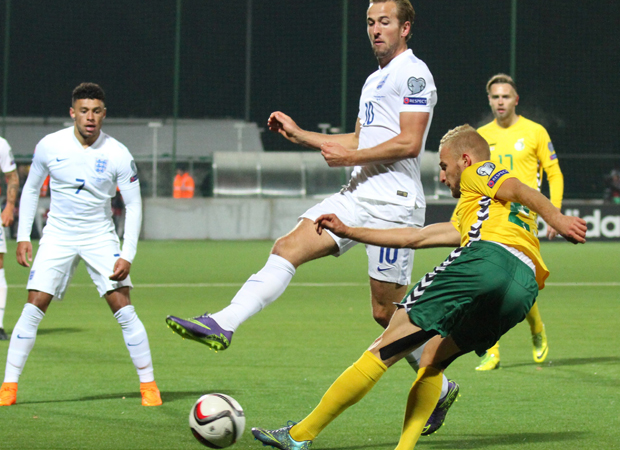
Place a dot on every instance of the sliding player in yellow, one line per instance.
(523, 147)
(485, 287)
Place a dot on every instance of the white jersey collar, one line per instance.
(94, 145)
(395, 60)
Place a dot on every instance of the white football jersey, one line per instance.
(82, 182)
(404, 85)
(7, 161)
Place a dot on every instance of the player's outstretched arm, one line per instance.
(436, 235)
(282, 124)
(573, 229)
(24, 253)
(407, 144)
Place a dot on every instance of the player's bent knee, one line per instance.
(381, 317)
(118, 298)
(406, 344)
(39, 299)
(281, 246)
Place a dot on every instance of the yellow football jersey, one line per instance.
(525, 149)
(479, 216)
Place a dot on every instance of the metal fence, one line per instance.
(174, 61)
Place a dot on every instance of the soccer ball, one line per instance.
(217, 420)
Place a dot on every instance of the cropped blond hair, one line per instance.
(501, 78)
(465, 138)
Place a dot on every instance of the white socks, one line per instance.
(413, 359)
(3, 292)
(261, 289)
(137, 342)
(22, 341)
(25, 333)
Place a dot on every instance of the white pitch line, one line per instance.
(320, 285)
(586, 283)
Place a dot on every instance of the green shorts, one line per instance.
(476, 295)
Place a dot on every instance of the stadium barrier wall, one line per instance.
(270, 218)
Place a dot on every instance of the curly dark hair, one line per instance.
(88, 90)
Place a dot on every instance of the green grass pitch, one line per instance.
(79, 389)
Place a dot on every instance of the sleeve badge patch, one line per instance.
(486, 169)
(134, 169)
(416, 85)
(496, 177)
(553, 155)
(415, 101)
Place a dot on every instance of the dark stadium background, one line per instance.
(567, 58)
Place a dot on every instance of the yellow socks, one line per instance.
(348, 389)
(534, 319)
(423, 398)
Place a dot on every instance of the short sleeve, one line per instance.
(454, 220)
(7, 161)
(416, 89)
(127, 175)
(484, 178)
(39, 160)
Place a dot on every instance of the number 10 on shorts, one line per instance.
(389, 255)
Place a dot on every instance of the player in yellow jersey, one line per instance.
(525, 148)
(485, 287)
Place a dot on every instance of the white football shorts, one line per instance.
(3, 239)
(384, 264)
(55, 263)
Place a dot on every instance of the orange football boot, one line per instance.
(8, 394)
(150, 394)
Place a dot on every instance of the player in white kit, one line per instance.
(85, 166)
(8, 167)
(385, 191)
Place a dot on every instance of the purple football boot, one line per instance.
(202, 329)
(435, 421)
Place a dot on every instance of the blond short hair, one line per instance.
(501, 78)
(465, 138)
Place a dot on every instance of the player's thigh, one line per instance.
(306, 244)
(439, 352)
(53, 268)
(100, 258)
(399, 339)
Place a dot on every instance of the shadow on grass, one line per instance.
(373, 445)
(481, 441)
(568, 362)
(167, 397)
(515, 439)
(45, 331)
(58, 331)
